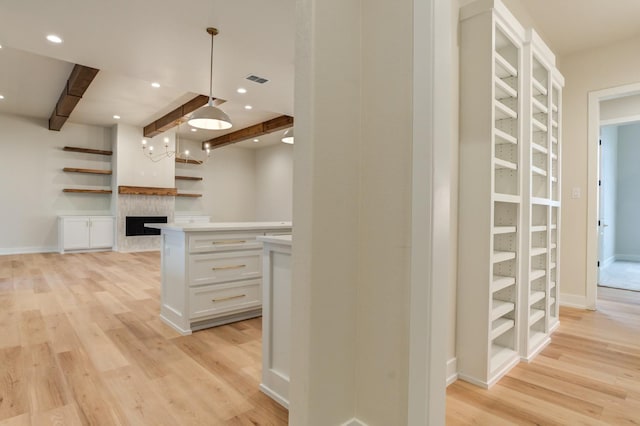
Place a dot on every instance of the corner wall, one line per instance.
(274, 182)
(228, 184)
(595, 69)
(31, 180)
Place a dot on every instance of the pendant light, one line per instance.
(287, 137)
(210, 117)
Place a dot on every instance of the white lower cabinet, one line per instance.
(211, 278)
(85, 233)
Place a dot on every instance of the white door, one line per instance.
(75, 233)
(601, 209)
(102, 231)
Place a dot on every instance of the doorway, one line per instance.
(596, 226)
(619, 197)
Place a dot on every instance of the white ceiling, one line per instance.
(136, 42)
(570, 26)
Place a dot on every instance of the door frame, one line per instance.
(593, 166)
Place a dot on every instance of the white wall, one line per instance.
(595, 69)
(132, 169)
(628, 200)
(228, 187)
(274, 182)
(609, 173)
(31, 180)
(624, 108)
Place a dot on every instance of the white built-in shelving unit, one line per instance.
(509, 193)
(490, 197)
(543, 85)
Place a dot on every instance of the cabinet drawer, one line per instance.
(217, 299)
(202, 243)
(220, 267)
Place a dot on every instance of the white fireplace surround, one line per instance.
(141, 205)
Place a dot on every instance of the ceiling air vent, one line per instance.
(256, 79)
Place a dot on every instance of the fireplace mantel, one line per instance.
(147, 190)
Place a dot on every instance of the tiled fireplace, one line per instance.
(141, 205)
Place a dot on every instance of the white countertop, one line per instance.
(219, 226)
(277, 239)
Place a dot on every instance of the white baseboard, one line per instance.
(452, 370)
(573, 301)
(609, 261)
(627, 257)
(354, 422)
(27, 250)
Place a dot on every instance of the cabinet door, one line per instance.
(101, 232)
(75, 233)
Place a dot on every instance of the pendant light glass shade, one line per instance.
(210, 118)
(287, 137)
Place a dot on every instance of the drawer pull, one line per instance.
(229, 242)
(222, 299)
(222, 268)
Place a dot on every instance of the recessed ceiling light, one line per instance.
(1, 97)
(155, 84)
(194, 130)
(117, 117)
(241, 90)
(256, 140)
(54, 38)
(248, 107)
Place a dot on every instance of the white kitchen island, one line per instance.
(276, 317)
(212, 272)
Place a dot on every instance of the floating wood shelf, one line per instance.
(87, 150)
(88, 191)
(146, 190)
(89, 171)
(187, 161)
(189, 195)
(188, 178)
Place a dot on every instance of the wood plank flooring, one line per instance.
(588, 375)
(81, 344)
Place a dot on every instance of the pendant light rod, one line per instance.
(209, 117)
(214, 32)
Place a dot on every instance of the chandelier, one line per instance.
(185, 156)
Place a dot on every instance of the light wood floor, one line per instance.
(81, 344)
(588, 375)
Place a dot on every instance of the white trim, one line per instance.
(452, 370)
(620, 120)
(624, 257)
(274, 395)
(430, 208)
(354, 422)
(610, 260)
(574, 301)
(27, 250)
(593, 136)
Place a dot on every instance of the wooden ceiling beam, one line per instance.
(269, 126)
(177, 116)
(78, 82)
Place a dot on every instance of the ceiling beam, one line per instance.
(78, 82)
(269, 126)
(176, 117)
